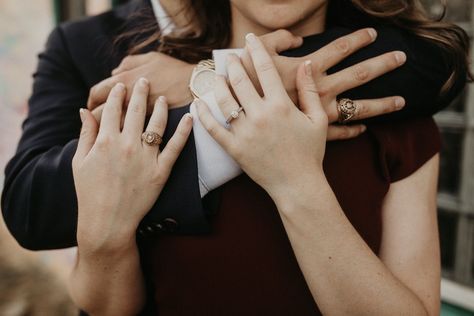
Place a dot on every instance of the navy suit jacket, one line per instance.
(39, 203)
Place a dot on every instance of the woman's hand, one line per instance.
(117, 176)
(330, 86)
(168, 76)
(274, 142)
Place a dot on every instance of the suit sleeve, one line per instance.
(39, 202)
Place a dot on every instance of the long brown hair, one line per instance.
(211, 29)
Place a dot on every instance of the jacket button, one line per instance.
(158, 226)
(170, 225)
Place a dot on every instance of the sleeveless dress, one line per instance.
(246, 266)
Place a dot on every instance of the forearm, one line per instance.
(337, 264)
(108, 282)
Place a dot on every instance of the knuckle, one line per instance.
(84, 132)
(128, 149)
(259, 120)
(344, 132)
(126, 61)
(225, 101)
(173, 148)
(342, 46)
(362, 110)
(212, 130)
(265, 66)
(391, 106)
(137, 108)
(103, 142)
(282, 33)
(393, 61)
(323, 89)
(361, 73)
(237, 79)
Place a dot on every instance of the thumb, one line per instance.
(89, 131)
(281, 40)
(308, 96)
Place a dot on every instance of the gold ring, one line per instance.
(151, 138)
(234, 114)
(346, 109)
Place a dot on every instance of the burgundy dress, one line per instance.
(247, 266)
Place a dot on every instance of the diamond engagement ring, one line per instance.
(234, 114)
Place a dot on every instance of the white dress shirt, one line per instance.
(215, 166)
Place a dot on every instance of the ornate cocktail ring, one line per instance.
(151, 138)
(346, 109)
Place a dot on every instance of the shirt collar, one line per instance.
(165, 22)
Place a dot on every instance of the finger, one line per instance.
(99, 93)
(240, 82)
(224, 97)
(331, 54)
(341, 132)
(97, 113)
(136, 112)
(159, 117)
(111, 115)
(88, 133)
(308, 96)
(281, 40)
(176, 144)
(268, 76)
(362, 72)
(371, 108)
(216, 130)
(130, 62)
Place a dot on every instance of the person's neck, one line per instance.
(312, 24)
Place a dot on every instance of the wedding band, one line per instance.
(234, 114)
(346, 109)
(151, 138)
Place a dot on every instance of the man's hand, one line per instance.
(168, 76)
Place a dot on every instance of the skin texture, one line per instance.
(156, 66)
(405, 280)
(343, 274)
(108, 266)
(301, 17)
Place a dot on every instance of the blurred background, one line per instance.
(34, 283)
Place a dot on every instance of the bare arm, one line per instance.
(108, 282)
(118, 176)
(283, 152)
(339, 266)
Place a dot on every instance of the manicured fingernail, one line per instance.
(81, 114)
(143, 82)
(308, 69)
(372, 33)
(401, 57)
(162, 99)
(363, 128)
(188, 117)
(251, 39)
(399, 103)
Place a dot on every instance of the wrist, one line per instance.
(300, 191)
(181, 90)
(105, 238)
